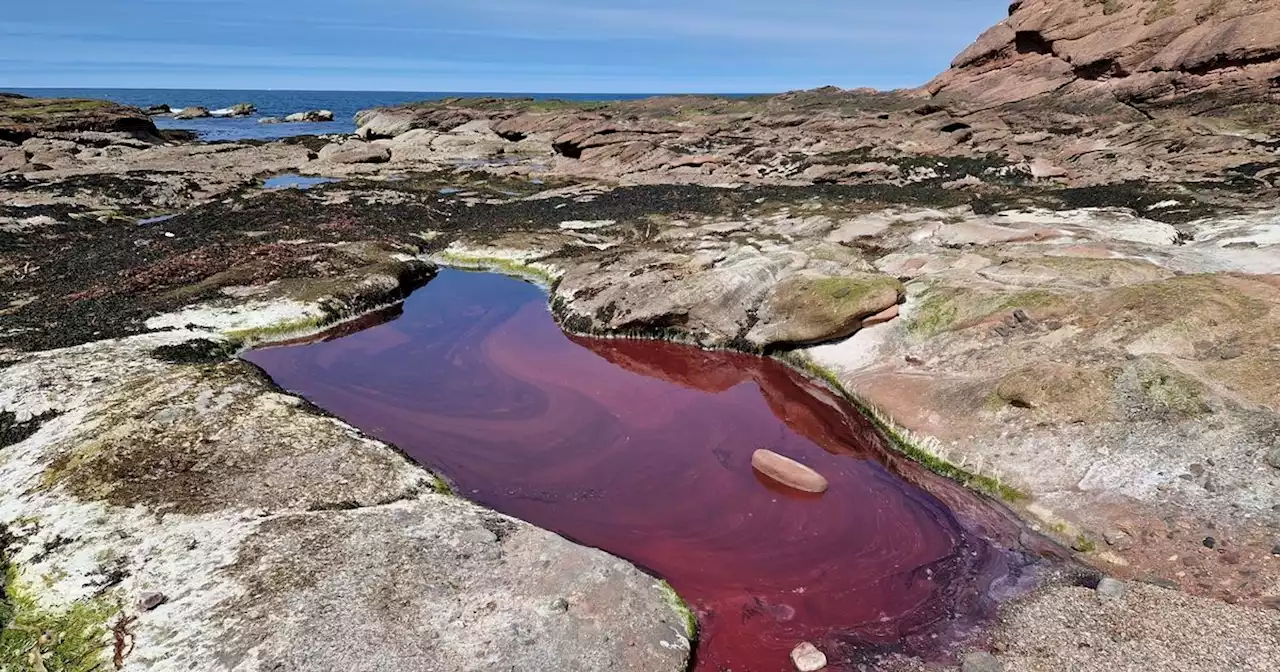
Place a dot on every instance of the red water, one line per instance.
(643, 449)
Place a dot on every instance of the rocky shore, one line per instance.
(1053, 273)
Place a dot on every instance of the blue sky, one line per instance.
(554, 46)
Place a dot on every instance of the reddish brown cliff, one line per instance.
(1125, 58)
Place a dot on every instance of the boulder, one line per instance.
(157, 110)
(788, 472)
(192, 113)
(812, 308)
(12, 160)
(354, 152)
(310, 116)
(237, 110)
(22, 118)
(270, 120)
(388, 122)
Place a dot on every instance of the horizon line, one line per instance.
(460, 92)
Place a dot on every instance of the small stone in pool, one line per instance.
(807, 658)
(980, 661)
(788, 472)
(1110, 589)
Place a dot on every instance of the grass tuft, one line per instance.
(34, 638)
(280, 330)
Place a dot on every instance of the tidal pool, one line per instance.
(643, 449)
(295, 181)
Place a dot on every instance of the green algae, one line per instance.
(36, 638)
(681, 607)
(902, 440)
(528, 271)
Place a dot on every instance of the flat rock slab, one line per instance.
(440, 584)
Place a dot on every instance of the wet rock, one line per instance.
(980, 661)
(1110, 589)
(270, 120)
(788, 472)
(237, 110)
(193, 113)
(807, 658)
(155, 110)
(310, 116)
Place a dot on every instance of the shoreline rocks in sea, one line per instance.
(312, 116)
(237, 110)
(192, 113)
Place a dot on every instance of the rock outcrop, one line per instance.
(192, 113)
(22, 118)
(311, 116)
(1125, 59)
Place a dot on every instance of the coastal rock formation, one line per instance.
(1127, 60)
(22, 118)
(192, 113)
(237, 110)
(1053, 272)
(313, 116)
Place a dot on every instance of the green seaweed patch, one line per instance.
(951, 308)
(847, 295)
(682, 608)
(936, 314)
(70, 639)
(901, 439)
(281, 330)
(529, 272)
(198, 351)
(1162, 390)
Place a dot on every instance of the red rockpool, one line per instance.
(643, 449)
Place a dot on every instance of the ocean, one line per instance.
(343, 104)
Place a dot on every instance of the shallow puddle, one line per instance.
(294, 181)
(643, 449)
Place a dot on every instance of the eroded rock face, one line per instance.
(1124, 59)
(22, 117)
(760, 297)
